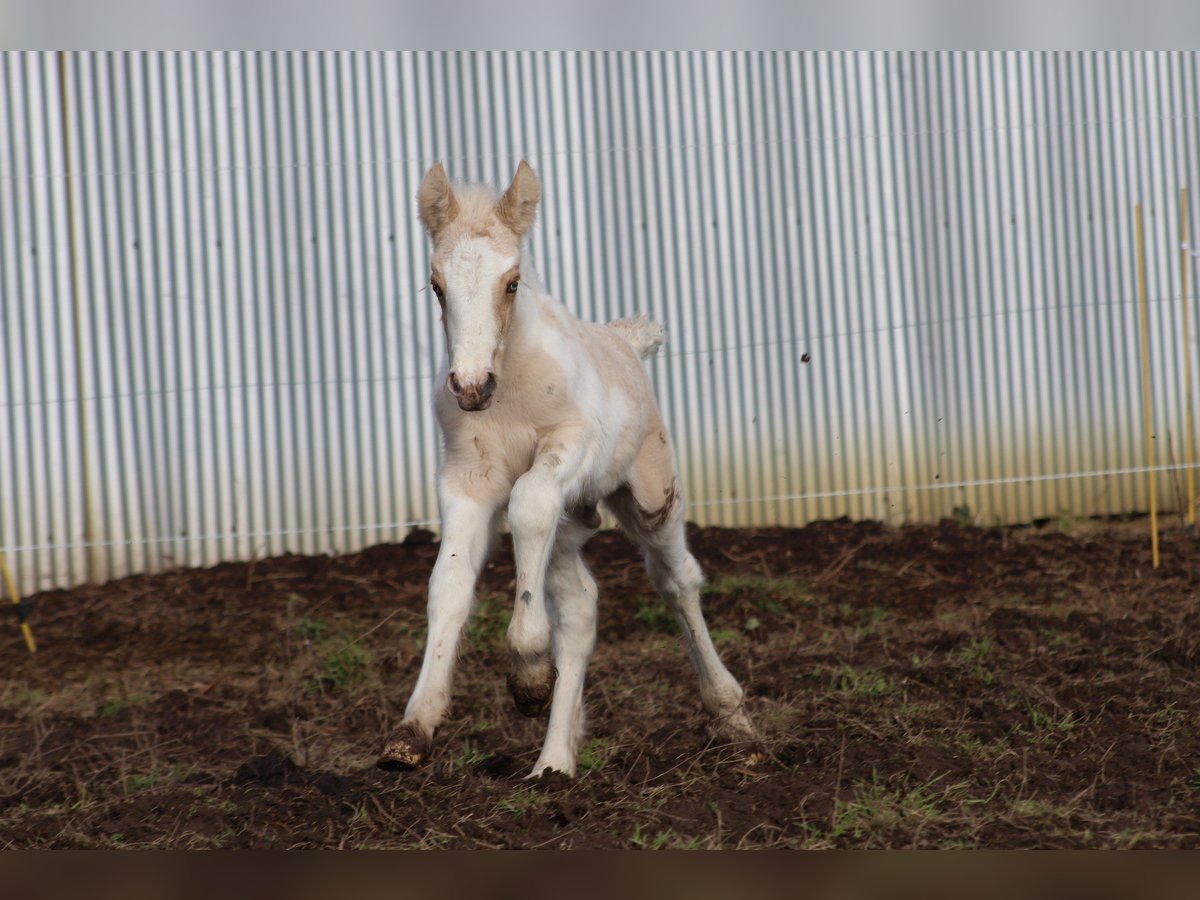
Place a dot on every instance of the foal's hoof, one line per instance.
(550, 779)
(753, 754)
(406, 749)
(737, 730)
(746, 750)
(533, 700)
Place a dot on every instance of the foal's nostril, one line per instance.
(454, 385)
(489, 386)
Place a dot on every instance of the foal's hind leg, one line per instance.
(659, 529)
(677, 577)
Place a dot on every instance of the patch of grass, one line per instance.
(344, 666)
(913, 710)
(360, 816)
(312, 630)
(1012, 600)
(488, 626)
(468, 758)
(139, 783)
(333, 662)
(655, 615)
(854, 682)
(1165, 721)
(26, 697)
(430, 841)
(877, 807)
(594, 754)
(132, 784)
(973, 747)
(1130, 839)
(876, 614)
(1050, 727)
(522, 803)
(974, 656)
(662, 840)
(1038, 810)
(119, 704)
(770, 595)
(228, 833)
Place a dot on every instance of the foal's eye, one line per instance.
(436, 290)
(512, 286)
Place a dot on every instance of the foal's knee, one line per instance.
(534, 506)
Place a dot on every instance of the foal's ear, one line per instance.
(516, 209)
(436, 202)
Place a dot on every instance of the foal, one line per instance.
(547, 416)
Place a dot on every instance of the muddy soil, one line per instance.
(927, 686)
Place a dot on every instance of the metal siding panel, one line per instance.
(948, 235)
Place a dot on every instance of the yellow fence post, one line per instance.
(26, 632)
(1146, 398)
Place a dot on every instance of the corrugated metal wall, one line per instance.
(887, 277)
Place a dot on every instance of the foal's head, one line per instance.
(476, 273)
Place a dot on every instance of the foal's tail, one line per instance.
(644, 335)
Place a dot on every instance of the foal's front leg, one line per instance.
(533, 514)
(467, 527)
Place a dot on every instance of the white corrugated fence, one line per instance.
(897, 284)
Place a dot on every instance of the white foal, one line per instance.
(546, 416)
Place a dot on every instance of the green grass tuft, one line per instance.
(594, 754)
(344, 666)
(852, 682)
(655, 615)
(488, 627)
(119, 704)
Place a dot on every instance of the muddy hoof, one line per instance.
(551, 780)
(753, 754)
(406, 749)
(533, 700)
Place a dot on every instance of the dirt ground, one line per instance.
(928, 686)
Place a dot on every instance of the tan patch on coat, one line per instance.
(655, 519)
(503, 301)
(653, 484)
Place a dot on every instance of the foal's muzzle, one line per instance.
(472, 396)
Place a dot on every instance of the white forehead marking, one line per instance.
(471, 268)
(473, 261)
